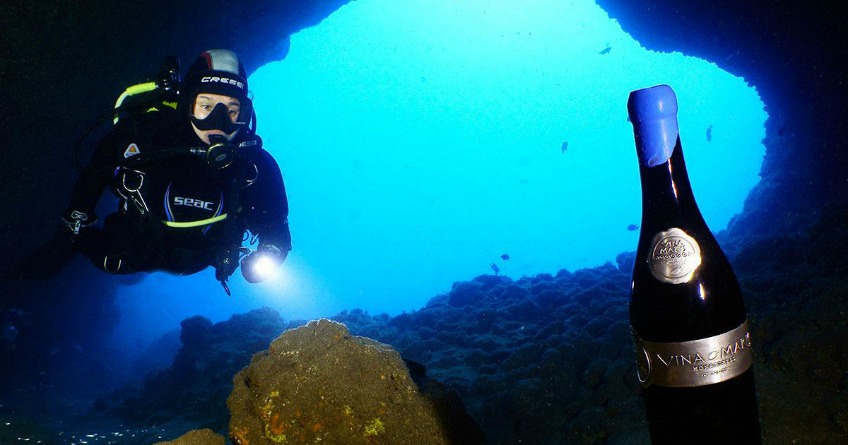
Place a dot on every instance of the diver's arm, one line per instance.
(266, 206)
(95, 177)
(265, 210)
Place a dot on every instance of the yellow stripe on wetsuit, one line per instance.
(189, 224)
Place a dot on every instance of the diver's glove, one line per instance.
(261, 264)
(74, 220)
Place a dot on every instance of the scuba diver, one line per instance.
(192, 180)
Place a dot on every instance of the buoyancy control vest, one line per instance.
(164, 181)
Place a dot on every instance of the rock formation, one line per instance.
(197, 437)
(319, 383)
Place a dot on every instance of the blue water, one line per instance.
(421, 140)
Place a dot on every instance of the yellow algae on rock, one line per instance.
(375, 427)
(197, 437)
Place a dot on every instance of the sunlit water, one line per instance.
(421, 140)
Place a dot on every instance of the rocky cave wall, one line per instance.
(792, 53)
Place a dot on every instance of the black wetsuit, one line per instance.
(176, 212)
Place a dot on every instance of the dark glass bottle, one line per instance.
(687, 317)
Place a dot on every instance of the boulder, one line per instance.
(320, 383)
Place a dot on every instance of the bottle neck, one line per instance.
(666, 189)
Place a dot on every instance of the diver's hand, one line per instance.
(262, 264)
(74, 220)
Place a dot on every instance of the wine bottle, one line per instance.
(687, 317)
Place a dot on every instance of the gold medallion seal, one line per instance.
(674, 256)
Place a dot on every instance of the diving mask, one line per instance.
(219, 119)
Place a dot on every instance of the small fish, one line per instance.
(633, 227)
(605, 50)
(495, 268)
(505, 257)
(709, 133)
(564, 146)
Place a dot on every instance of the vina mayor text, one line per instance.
(694, 363)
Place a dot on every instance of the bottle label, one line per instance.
(674, 256)
(694, 363)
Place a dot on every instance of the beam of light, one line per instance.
(264, 268)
